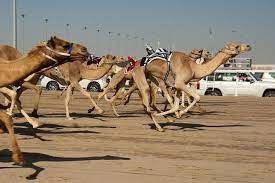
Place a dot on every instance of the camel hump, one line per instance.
(9, 53)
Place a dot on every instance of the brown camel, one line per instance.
(43, 56)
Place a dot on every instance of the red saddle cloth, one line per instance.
(133, 64)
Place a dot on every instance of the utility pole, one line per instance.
(14, 25)
(46, 28)
(23, 33)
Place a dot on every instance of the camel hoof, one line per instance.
(158, 114)
(70, 118)
(160, 130)
(36, 125)
(18, 159)
(35, 115)
(91, 110)
(117, 115)
(100, 111)
(9, 113)
(202, 110)
(171, 120)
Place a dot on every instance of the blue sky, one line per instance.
(181, 24)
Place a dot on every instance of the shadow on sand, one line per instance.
(27, 130)
(193, 126)
(31, 158)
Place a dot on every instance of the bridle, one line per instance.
(228, 51)
(68, 54)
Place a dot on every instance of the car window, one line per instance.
(225, 76)
(244, 77)
(258, 75)
(209, 77)
(272, 74)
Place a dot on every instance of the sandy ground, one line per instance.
(234, 141)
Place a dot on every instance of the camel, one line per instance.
(71, 73)
(185, 70)
(44, 56)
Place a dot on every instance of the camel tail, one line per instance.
(106, 98)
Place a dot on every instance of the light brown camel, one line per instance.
(43, 56)
(71, 73)
(185, 70)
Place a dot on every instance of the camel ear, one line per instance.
(51, 43)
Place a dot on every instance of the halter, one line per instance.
(228, 51)
(61, 53)
(58, 53)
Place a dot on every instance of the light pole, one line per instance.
(97, 46)
(46, 28)
(14, 25)
(110, 42)
(67, 31)
(118, 43)
(85, 28)
(23, 32)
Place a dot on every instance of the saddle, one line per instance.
(163, 55)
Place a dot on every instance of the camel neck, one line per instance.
(211, 65)
(21, 68)
(94, 74)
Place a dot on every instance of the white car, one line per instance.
(235, 83)
(89, 85)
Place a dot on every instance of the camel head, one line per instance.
(110, 59)
(234, 49)
(196, 53)
(206, 54)
(67, 51)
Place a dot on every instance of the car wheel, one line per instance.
(94, 87)
(213, 93)
(269, 94)
(52, 85)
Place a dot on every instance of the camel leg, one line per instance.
(112, 100)
(175, 107)
(17, 156)
(38, 91)
(194, 95)
(10, 95)
(87, 94)
(34, 123)
(126, 97)
(140, 80)
(69, 93)
(117, 78)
